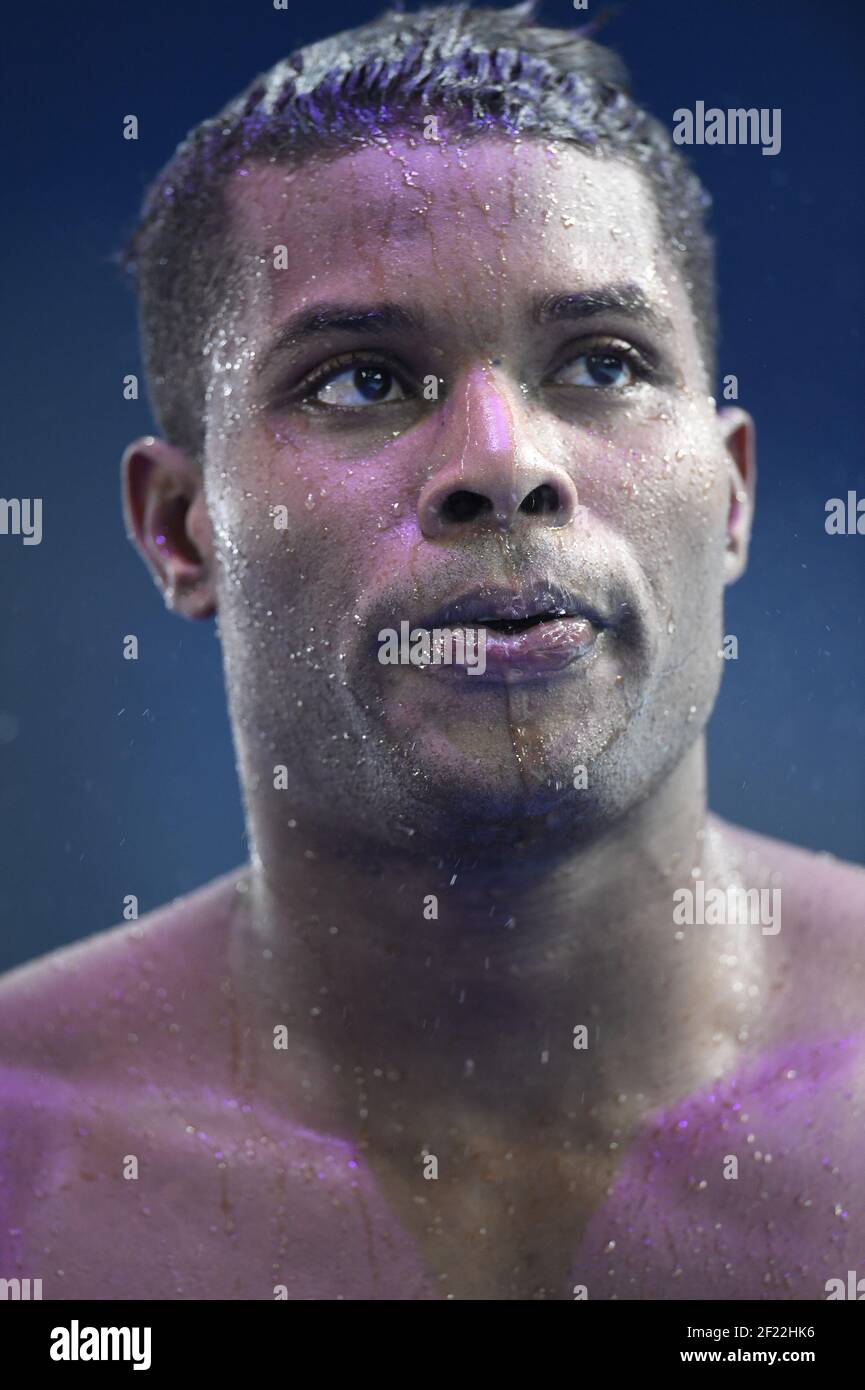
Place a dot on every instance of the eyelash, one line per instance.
(323, 375)
(639, 363)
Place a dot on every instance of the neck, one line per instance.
(470, 979)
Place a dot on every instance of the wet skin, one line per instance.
(451, 1035)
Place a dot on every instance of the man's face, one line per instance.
(571, 459)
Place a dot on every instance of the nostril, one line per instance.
(541, 500)
(465, 506)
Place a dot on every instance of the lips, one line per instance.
(540, 628)
(549, 644)
(528, 605)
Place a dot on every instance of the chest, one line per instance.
(503, 1226)
(223, 1204)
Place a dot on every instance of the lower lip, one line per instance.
(543, 649)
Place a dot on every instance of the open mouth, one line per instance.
(533, 632)
(509, 612)
(505, 633)
(511, 626)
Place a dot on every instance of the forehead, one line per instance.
(472, 226)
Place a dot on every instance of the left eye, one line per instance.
(597, 369)
(359, 386)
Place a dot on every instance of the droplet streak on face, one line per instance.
(471, 236)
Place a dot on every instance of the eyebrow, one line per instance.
(335, 318)
(626, 299)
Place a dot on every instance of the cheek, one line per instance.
(297, 527)
(660, 487)
(663, 484)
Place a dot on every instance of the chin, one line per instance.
(468, 800)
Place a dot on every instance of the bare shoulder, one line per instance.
(92, 1043)
(754, 1187)
(817, 880)
(65, 1013)
(135, 1162)
(816, 962)
(84, 1030)
(822, 897)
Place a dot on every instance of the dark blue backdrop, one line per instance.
(118, 777)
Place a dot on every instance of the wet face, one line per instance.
(461, 387)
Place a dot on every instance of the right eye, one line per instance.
(357, 386)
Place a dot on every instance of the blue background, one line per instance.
(118, 777)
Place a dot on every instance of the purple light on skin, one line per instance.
(160, 540)
(352, 1163)
(683, 1124)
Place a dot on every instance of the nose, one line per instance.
(494, 476)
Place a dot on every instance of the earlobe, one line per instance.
(737, 430)
(167, 521)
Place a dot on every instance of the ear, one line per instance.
(737, 431)
(166, 516)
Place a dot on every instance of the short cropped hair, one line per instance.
(480, 70)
